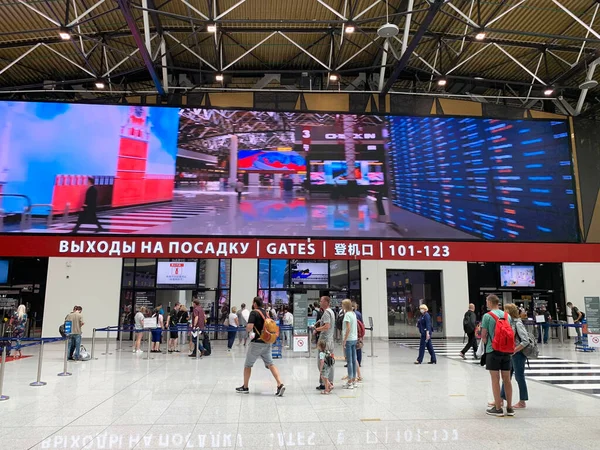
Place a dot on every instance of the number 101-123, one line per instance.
(435, 251)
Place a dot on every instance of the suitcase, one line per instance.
(206, 344)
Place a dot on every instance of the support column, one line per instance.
(233, 159)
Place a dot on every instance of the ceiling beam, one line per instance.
(124, 5)
(402, 62)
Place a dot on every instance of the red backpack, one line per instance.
(504, 336)
(360, 328)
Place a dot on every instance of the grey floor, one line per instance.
(262, 212)
(124, 401)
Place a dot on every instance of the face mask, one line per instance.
(423, 311)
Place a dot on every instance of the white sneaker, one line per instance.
(134, 350)
(348, 386)
(140, 351)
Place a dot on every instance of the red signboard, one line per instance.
(143, 247)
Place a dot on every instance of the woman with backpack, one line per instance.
(518, 358)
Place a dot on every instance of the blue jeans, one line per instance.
(545, 329)
(518, 368)
(74, 345)
(231, 334)
(429, 346)
(350, 353)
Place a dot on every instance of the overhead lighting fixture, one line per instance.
(219, 77)
(100, 84)
(334, 77)
(548, 92)
(65, 34)
(442, 82)
(211, 28)
(480, 36)
(350, 28)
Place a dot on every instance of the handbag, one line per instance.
(480, 350)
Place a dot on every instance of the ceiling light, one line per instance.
(211, 28)
(219, 77)
(548, 92)
(480, 36)
(442, 82)
(334, 77)
(350, 28)
(100, 84)
(65, 33)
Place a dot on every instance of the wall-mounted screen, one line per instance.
(4, 265)
(169, 171)
(517, 276)
(309, 273)
(498, 180)
(176, 273)
(271, 161)
(366, 173)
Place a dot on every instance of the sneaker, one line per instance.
(462, 355)
(242, 390)
(320, 387)
(348, 386)
(495, 412)
(280, 390)
(510, 412)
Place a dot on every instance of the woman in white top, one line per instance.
(139, 329)
(350, 338)
(234, 323)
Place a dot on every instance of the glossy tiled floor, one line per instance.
(171, 402)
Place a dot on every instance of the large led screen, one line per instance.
(195, 171)
(494, 179)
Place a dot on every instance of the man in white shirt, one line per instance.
(288, 319)
(243, 314)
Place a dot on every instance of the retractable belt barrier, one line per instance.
(31, 343)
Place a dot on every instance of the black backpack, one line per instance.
(339, 321)
(468, 324)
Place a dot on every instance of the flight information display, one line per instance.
(495, 179)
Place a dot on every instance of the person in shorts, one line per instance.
(258, 348)
(325, 366)
(496, 363)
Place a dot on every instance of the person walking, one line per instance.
(239, 188)
(326, 329)
(232, 328)
(469, 327)
(426, 329)
(242, 316)
(76, 319)
(497, 360)
(349, 340)
(518, 358)
(18, 322)
(90, 205)
(259, 349)
(198, 325)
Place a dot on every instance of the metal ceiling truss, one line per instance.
(163, 61)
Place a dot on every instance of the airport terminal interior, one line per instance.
(326, 224)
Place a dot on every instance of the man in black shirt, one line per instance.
(258, 348)
(469, 327)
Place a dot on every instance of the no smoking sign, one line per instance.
(594, 340)
(301, 343)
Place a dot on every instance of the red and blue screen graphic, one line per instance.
(271, 161)
(502, 180)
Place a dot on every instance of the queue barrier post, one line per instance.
(372, 355)
(149, 346)
(64, 373)
(39, 381)
(120, 330)
(106, 352)
(2, 396)
(93, 343)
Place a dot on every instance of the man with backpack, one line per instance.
(499, 339)
(578, 317)
(262, 329)
(469, 327)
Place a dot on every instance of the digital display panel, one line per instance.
(493, 179)
(4, 264)
(304, 273)
(176, 273)
(517, 276)
(119, 170)
(366, 173)
(271, 161)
